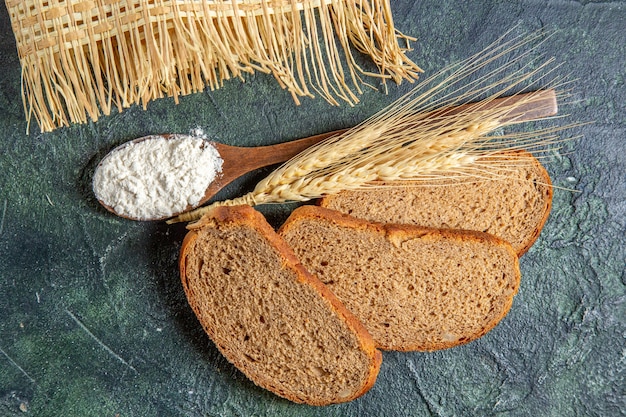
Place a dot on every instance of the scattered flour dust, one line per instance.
(159, 177)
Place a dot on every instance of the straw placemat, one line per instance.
(81, 58)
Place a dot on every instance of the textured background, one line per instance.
(93, 321)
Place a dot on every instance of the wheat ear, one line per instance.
(417, 138)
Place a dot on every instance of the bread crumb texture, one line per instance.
(264, 315)
(413, 288)
(512, 201)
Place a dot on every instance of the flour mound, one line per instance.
(157, 177)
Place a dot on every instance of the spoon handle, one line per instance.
(273, 154)
(239, 160)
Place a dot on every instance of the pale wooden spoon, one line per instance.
(242, 160)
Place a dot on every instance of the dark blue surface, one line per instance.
(93, 320)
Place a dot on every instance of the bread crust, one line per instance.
(396, 234)
(248, 216)
(533, 235)
(532, 238)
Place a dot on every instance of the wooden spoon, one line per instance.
(241, 160)
(237, 161)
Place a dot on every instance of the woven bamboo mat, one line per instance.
(82, 58)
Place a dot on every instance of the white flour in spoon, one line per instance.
(157, 178)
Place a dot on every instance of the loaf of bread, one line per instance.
(512, 201)
(272, 319)
(413, 288)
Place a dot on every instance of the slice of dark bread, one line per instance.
(413, 288)
(512, 202)
(272, 319)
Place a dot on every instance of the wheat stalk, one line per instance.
(414, 139)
